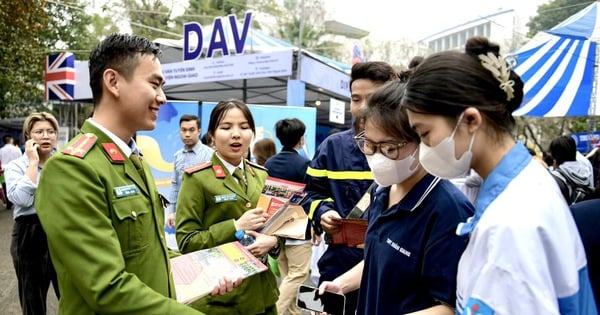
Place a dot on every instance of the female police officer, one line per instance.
(219, 197)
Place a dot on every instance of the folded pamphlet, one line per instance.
(281, 201)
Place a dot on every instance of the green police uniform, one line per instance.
(105, 228)
(209, 201)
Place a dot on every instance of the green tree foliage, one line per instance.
(304, 16)
(21, 53)
(66, 25)
(32, 29)
(204, 11)
(554, 12)
(538, 132)
(307, 17)
(149, 18)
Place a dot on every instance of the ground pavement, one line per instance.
(9, 296)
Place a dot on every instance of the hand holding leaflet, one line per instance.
(285, 217)
(195, 274)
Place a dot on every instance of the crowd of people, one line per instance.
(523, 243)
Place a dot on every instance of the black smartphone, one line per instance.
(309, 299)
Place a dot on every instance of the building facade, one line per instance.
(503, 27)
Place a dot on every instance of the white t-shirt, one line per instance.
(9, 153)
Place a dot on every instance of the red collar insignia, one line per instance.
(113, 152)
(219, 173)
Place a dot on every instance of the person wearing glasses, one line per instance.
(338, 176)
(525, 254)
(411, 249)
(29, 247)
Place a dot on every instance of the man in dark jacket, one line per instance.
(294, 258)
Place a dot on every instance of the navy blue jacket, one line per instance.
(288, 164)
(587, 215)
(336, 179)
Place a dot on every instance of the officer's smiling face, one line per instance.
(232, 136)
(141, 95)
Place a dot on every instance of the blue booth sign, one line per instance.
(586, 141)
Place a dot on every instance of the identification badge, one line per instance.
(124, 191)
(224, 198)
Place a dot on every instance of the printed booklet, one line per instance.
(195, 274)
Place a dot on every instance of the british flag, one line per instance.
(59, 76)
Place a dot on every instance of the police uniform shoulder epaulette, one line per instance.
(198, 167)
(81, 145)
(255, 165)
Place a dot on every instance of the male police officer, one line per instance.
(98, 202)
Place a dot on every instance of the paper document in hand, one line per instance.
(352, 232)
(195, 274)
(278, 192)
(290, 221)
(280, 199)
(281, 188)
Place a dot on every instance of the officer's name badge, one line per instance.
(124, 191)
(223, 198)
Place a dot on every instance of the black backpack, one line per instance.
(572, 191)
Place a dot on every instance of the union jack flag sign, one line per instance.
(59, 76)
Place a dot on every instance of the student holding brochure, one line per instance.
(288, 164)
(411, 249)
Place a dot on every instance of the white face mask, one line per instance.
(387, 172)
(440, 160)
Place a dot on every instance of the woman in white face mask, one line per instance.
(524, 254)
(411, 249)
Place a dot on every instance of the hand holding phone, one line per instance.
(31, 150)
(329, 302)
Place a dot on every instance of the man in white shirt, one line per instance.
(8, 153)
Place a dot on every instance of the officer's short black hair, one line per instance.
(289, 131)
(120, 52)
(206, 139)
